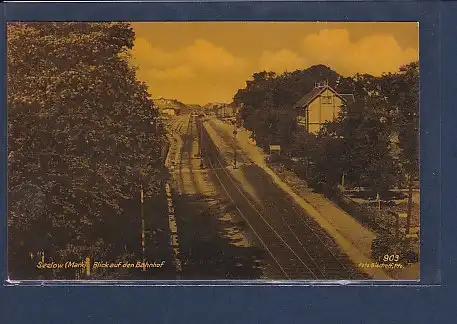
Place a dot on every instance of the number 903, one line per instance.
(391, 257)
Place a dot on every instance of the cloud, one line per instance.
(173, 73)
(280, 61)
(207, 56)
(191, 72)
(201, 54)
(372, 54)
(198, 70)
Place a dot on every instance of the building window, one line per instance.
(327, 99)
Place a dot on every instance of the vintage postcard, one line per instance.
(213, 151)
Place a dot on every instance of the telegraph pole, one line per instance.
(201, 143)
(410, 202)
(234, 146)
(378, 200)
(142, 227)
(235, 131)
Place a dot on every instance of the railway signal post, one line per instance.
(142, 227)
(234, 146)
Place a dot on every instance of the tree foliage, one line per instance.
(268, 101)
(360, 144)
(81, 134)
(364, 141)
(402, 92)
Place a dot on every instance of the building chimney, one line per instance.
(321, 84)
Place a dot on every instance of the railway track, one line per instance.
(281, 227)
(176, 125)
(299, 223)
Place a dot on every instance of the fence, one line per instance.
(379, 216)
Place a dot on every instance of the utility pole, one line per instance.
(307, 170)
(378, 199)
(201, 144)
(235, 132)
(410, 203)
(87, 266)
(397, 227)
(142, 226)
(234, 146)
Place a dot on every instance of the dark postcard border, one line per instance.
(274, 11)
(104, 302)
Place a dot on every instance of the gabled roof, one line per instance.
(309, 97)
(313, 94)
(347, 97)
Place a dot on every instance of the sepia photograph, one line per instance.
(258, 151)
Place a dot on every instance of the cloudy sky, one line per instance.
(201, 62)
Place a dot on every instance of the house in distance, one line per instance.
(320, 105)
(170, 111)
(225, 110)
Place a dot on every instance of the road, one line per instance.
(281, 240)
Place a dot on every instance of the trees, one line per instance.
(365, 135)
(402, 93)
(268, 101)
(359, 144)
(80, 137)
(366, 130)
